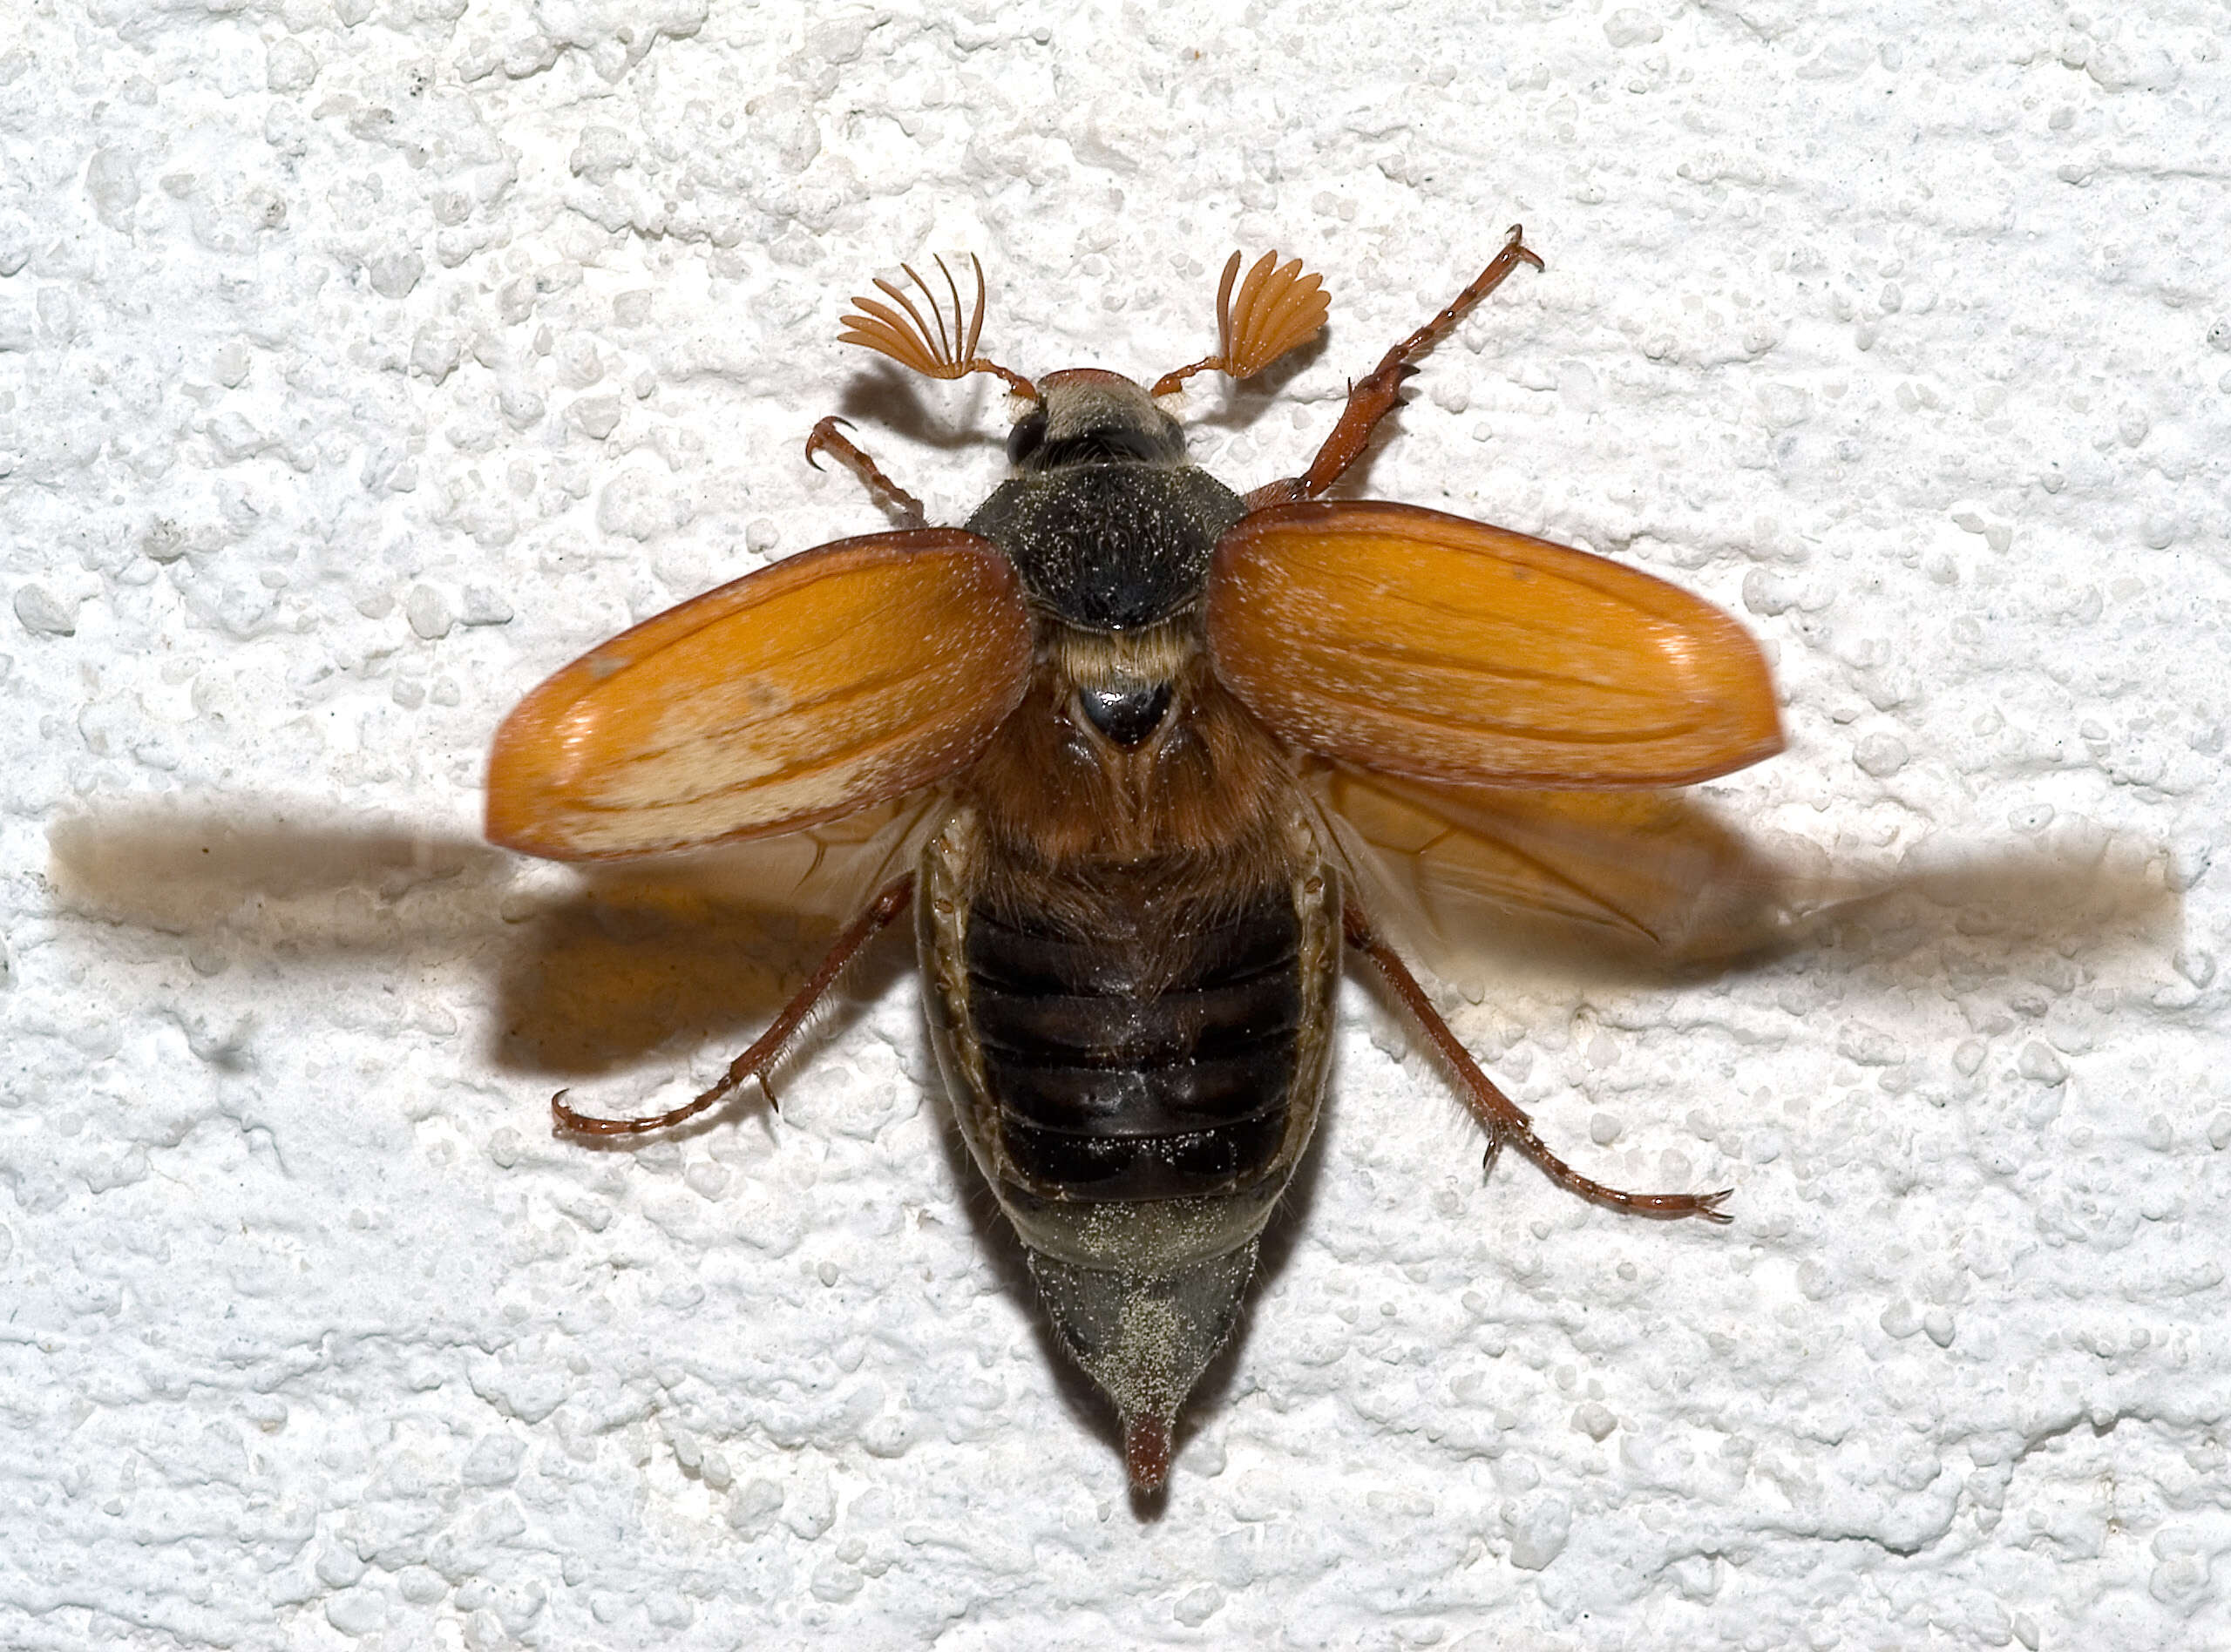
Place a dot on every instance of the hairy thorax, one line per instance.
(1168, 835)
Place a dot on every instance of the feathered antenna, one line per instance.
(1279, 310)
(906, 338)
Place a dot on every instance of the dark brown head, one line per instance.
(1087, 417)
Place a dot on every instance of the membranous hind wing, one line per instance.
(1414, 643)
(828, 683)
(1656, 876)
(816, 875)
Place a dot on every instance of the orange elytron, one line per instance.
(1147, 744)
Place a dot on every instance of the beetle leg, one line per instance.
(1379, 392)
(824, 439)
(1495, 1110)
(769, 1048)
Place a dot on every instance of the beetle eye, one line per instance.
(1027, 435)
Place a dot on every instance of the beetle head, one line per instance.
(1087, 417)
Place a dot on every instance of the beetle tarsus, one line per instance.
(826, 439)
(1379, 392)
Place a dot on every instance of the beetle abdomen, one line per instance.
(1120, 1079)
(1136, 1056)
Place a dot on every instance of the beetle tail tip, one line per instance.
(1146, 1451)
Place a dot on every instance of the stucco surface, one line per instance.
(362, 361)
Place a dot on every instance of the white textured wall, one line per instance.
(362, 360)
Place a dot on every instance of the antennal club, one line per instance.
(1280, 309)
(902, 335)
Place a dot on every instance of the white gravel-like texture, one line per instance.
(361, 360)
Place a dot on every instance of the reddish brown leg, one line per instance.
(769, 1047)
(824, 439)
(1379, 392)
(1495, 1110)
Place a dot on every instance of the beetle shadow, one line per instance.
(589, 978)
(2008, 907)
(888, 397)
(887, 400)
(1238, 403)
(995, 1240)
